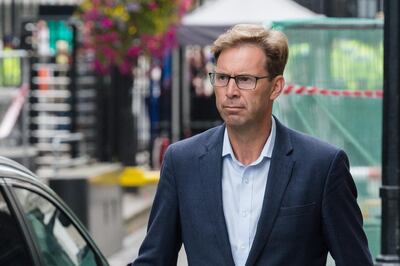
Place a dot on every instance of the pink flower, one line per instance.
(106, 23)
(110, 3)
(153, 6)
(125, 67)
(109, 53)
(91, 15)
(133, 51)
(99, 67)
(184, 6)
(170, 38)
(109, 37)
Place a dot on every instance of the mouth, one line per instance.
(232, 108)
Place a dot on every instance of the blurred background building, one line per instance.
(67, 104)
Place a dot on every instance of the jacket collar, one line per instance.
(211, 174)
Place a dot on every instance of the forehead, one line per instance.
(247, 58)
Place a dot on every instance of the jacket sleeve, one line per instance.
(342, 218)
(163, 240)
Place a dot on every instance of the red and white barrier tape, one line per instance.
(366, 172)
(296, 89)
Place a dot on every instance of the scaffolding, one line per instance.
(334, 92)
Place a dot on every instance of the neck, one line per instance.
(248, 143)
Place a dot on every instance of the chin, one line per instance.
(234, 123)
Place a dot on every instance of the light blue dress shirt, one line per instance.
(243, 190)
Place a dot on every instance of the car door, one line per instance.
(15, 248)
(58, 236)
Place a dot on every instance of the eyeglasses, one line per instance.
(243, 82)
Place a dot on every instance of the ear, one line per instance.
(277, 87)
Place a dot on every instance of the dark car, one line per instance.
(36, 227)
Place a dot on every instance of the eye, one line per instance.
(221, 77)
(245, 79)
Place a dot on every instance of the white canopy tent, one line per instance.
(205, 23)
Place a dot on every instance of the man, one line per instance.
(10, 66)
(253, 192)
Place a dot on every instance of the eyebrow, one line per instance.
(244, 74)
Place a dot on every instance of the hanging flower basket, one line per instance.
(119, 30)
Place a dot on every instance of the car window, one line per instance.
(13, 248)
(58, 239)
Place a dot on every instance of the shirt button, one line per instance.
(246, 180)
(244, 213)
(242, 247)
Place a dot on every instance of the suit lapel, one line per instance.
(211, 174)
(278, 178)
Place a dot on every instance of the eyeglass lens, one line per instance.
(244, 82)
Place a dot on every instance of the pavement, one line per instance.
(136, 207)
(135, 212)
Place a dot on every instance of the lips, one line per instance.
(232, 108)
(234, 103)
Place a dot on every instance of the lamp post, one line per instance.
(13, 17)
(390, 189)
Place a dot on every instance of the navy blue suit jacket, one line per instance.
(309, 206)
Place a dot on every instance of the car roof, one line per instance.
(12, 169)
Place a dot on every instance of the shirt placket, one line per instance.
(244, 213)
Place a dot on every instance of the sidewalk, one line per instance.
(136, 209)
(135, 212)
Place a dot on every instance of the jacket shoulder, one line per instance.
(311, 145)
(197, 143)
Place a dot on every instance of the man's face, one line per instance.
(244, 108)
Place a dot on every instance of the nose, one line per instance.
(232, 89)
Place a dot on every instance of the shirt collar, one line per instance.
(266, 151)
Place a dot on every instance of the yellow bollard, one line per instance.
(136, 176)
